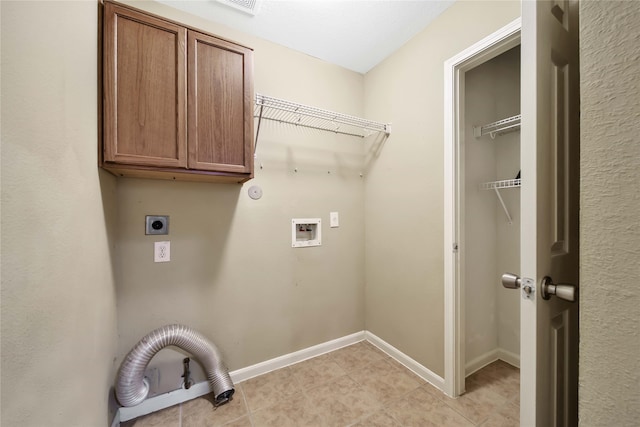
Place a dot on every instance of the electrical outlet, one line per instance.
(162, 251)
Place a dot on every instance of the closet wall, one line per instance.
(491, 242)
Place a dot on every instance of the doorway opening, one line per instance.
(482, 210)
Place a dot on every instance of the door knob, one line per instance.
(563, 291)
(511, 281)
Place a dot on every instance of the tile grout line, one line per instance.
(464, 416)
(381, 407)
(385, 357)
(246, 404)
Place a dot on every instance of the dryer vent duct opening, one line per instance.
(131, 387)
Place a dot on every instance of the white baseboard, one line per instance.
(480, 362)
(407, 361)
(509, 357)
(485, 359)
(175, 397)
(295, 357)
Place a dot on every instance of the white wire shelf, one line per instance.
(506, 183)
(498, 185)
(282, 111)
(510, 124)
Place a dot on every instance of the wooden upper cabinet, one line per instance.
(178, 103)
(144, 89)
(220, 112)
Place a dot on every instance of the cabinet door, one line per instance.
(220, 112)
(144, 89)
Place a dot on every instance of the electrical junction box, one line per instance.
(156, 224)
(306, 232)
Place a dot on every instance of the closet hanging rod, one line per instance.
(282, 111)
(510, 124)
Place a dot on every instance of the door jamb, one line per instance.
(454, 77)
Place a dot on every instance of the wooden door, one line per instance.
(550, 202)
(220, 105)
(144, 89)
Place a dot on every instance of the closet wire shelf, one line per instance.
(510, 124)
(282, 111)
(496, 186)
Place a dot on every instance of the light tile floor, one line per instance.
(354, 386)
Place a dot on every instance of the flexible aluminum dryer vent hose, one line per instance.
(132, 388)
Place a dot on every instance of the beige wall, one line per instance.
(404, 183)
(233, 274)
(610, 237)
(58, 294)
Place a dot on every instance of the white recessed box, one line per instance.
(306, 232)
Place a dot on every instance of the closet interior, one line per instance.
(491, 214)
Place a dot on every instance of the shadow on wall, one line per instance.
(108, 185)
(373, 147)
(108, 188)
(292, 149)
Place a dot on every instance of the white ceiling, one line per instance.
(355, 34)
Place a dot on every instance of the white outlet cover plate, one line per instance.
(162, 251)
(334, 219)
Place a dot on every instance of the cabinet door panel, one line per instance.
(144, 89)
(220, 111)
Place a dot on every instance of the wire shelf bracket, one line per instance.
(282, 111)
(510, 124)
(496, 186)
